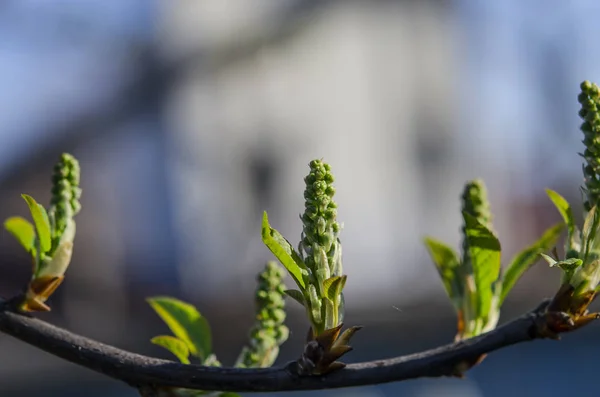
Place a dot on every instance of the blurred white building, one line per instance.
(368, 87)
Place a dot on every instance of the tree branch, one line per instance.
(142, 371)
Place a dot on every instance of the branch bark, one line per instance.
(146, 372)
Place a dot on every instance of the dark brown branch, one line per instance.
(142, 371)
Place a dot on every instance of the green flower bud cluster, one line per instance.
(475, 202)
(320, 244)
(589, 98)
(316, 268)
(64, 204)
(268, 332)
(580, 267)
(49, 239)
(321, 249)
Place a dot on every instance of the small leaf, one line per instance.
(40, 219)
(344, 339)
(185, 322)
(176, 346)
(295, 295)
(342, 308)
(528, 257)
(332, 287)
(23, 231)
(586, 278)
(568, 265)
(590, 230)
(282, 250)
(447, 263)
(551, 261)
(57, 266)
(484, 253)
(315, 305)
(563, 207)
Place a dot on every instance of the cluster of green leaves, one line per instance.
(475, 283)
(316, 268)
(50, 241)
(192, 335)
(581, 262)
(191, 331)
(317, 265)
(191, 338)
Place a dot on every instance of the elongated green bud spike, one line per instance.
(268, 332)
(589, 98)
(64, 204)
(475, 202)
(320, 228)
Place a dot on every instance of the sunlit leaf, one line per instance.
(564, 208)
(175, 345)
(551, 261)
(58, 264)
(332, 287)
(186, 323)
(568, 266)
(528, 257)
(40, 219)
(586, 278)
(447, 263)
(484, 253)
(282, 250)
(590, 231)
(23, 231)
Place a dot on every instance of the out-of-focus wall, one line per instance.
(368, 87)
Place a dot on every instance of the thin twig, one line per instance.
(142, 371)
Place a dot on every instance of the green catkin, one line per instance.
(320, 229)
(64, 204)
(476, 204)
(589, 98)
(269, 331)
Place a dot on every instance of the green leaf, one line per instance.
(23, 231)
(332, 287)
(175, 345)
(528, 257)
(551, 261)
(586, 278)
(58, 264)
(185, 322)
(564, 208)
(229, 394)
(40, 219)
(569, 264)
(447, 263)
(295, 295)
(282, 250)
(484, 253)
(589, 231)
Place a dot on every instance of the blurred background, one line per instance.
(191, 117)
